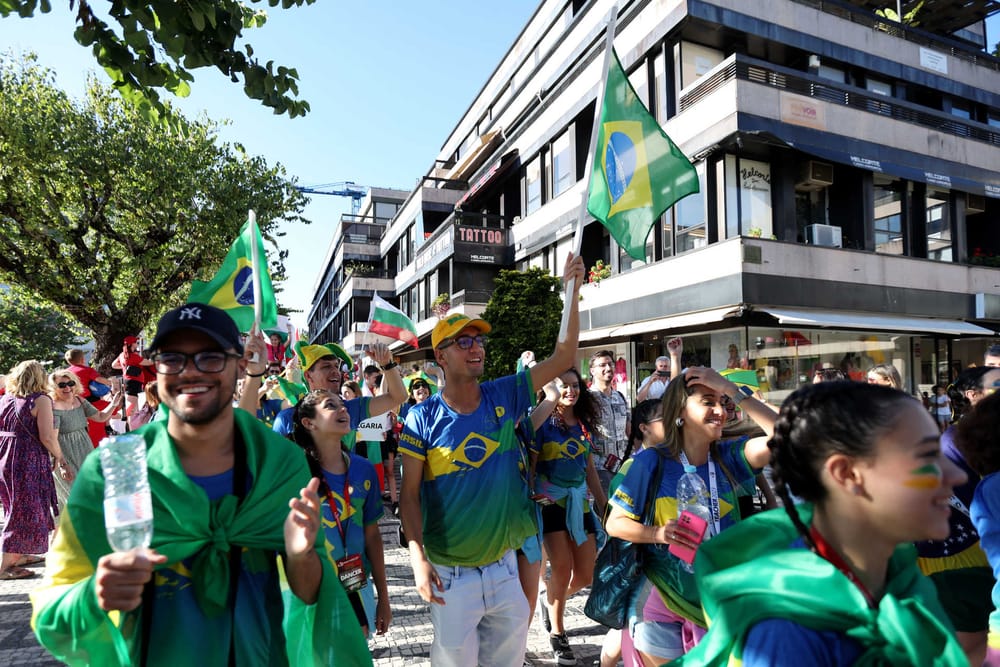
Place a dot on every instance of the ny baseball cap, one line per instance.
(209, 320)
(453, 325)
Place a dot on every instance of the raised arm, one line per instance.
(392, 393)
(249, 399)
(564, 356)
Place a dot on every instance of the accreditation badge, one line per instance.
(351, 571)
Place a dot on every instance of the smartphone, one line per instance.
(692, 523)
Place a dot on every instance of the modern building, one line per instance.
(849, 167)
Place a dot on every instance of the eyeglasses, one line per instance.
(172, 363)
(63, 385)
(466, 342)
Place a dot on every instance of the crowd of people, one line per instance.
(849, 525)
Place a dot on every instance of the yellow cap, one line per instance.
(310, 354)
(453, 325)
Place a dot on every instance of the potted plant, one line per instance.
(598, 272)
(441, 305)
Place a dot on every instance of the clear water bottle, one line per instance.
(692, 496)
(128, 505)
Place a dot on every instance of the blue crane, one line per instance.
(343, 189)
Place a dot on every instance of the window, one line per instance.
(888, 216)
(696, 61)
(640, 82)
(563, 163)
(938, 226)
(667, 236)
(881, 88)
(533, 186)
(690, 217)
(660, 89)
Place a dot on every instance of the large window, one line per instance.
(563, 163)
(888, 215)
(533, 186)
(938, 225)
(690, 217)
(748, 197)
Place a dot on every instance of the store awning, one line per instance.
(857, 320)
(596, 334)
(675, 321)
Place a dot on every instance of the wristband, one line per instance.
(256, 375)
(389, 366)
(740, 394)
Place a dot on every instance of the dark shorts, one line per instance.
(133, 387)
(554, 520)
(965, 596)
(389, 446)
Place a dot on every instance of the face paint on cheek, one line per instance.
(926, 477)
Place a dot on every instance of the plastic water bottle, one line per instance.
(128, 505)
(692, 496)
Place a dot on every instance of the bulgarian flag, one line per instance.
(389, 321)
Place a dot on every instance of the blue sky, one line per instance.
(387, 81)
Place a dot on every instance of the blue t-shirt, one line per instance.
(180, 622)
(562, 456)
(630, 496)
(474, 494)
(986, 516)
(776, 642)
(357, 408)
(366, 509)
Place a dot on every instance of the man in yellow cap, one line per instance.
(465, 503)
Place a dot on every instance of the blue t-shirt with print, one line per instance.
(258, 611)
(562, 456)
(357, 408)
(474, 494)
(365, 510)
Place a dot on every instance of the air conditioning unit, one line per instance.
(828, 235)
(974, 203)
(815, 176)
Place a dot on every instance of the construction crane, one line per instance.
(343, 189)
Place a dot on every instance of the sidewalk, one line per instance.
(407, 642)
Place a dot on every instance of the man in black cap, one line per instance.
(221, 486)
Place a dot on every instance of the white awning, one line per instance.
(675, 321)
(595, 334)
(856, 320)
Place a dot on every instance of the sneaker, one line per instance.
(561, 650)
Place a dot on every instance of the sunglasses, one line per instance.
(466, 342)
(63, 385)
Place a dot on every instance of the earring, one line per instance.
(679, 422)
(857, 490)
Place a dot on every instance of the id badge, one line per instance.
(612, 463)
(351, 571)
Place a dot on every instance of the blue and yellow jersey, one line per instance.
(474, 495)
(562, 456)
(365, 510)
(357, 408)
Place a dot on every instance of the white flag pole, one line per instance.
(609, 43)
(255, 269)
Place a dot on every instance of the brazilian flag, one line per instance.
(232, 287)
(637, 171)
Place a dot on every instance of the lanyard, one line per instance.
(347, 500)
(713, 491)
(827, 552)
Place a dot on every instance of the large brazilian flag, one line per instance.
(638, 172)
(232, 287)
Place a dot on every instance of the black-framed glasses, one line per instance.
(68, 383)
(172, 363)
(466, 342)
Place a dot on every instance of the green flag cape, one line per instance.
(750, 573)
(66, 617)
(638, 172)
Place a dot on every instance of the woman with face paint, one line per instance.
(834, 581)
(666, 618)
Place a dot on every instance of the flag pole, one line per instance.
(609, 43)
(258, 307)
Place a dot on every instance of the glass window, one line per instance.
(831, 73)
(533, 186)
(563, 163)
(732, 194)
(888, 216)
(660, 83)
(640, 82)
(938, 225)
(882, 88)
(667, 236)
(755, 198)
(690, 217)
(696, 61)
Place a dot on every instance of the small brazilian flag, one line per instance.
(232, 287)
(638, 172)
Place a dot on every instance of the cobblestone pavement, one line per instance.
(407, 642)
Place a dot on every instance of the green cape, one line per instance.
(66, 617)
(749, 573)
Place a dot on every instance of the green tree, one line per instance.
(159, 42)
(524, 311)
(33, 329)
(108, 216)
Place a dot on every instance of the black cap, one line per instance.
(209, 320)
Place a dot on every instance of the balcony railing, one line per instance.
(757, 71)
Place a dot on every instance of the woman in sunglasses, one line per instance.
(72, 413)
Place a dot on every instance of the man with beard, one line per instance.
(465, 504)
(221, 485)
(611, 438)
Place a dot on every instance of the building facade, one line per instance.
(850, 187)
